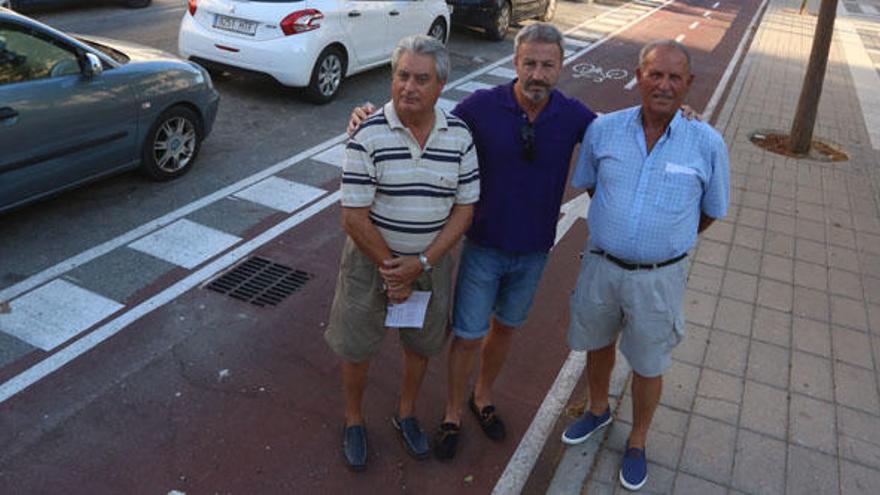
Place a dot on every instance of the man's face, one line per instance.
(415, 87)
(664, 80)
(537, 67)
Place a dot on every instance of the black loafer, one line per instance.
(491, 424)
(446, 441)
(414, 439)
(354, 446)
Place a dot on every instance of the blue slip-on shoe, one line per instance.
(354, 446)
(414, 439)
(579, 431)
(634, 469)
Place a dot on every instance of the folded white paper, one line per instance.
(409, 313)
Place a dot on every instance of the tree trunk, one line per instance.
(808, 104)
(803, 7)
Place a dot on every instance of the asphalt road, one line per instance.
(259, 123)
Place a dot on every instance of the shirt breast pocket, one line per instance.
(680, 189)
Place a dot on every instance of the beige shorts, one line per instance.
(357, 317)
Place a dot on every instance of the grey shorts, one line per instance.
(643, 306)
(357, 318)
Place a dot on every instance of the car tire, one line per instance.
(549, 11)
(136, 4)
(438, 31)
(9, 4)
(327, 76)
(500, 23)
(179, 128)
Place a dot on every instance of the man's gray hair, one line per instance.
(650, 47)
(540, 32)
(423, 45)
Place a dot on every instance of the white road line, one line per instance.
(715, 5)
(707, 13)
(332, 156)
(709, 112)
(679, 38)
(444, 103)
(503, 72)
(45, 367)
(49, 316)
(471, 86)
(281, 194)
(865, 78)
(630, 85)
(576, 42)
(694, 25)
(185, 243)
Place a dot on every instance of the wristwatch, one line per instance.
(426, 267)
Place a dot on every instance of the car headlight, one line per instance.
(204, 75)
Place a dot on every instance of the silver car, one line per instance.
(73, 110)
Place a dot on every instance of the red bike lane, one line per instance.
(208, 394)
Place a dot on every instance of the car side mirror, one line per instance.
(93, 66)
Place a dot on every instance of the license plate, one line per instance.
(235, 25)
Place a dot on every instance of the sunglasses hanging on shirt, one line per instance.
(527, 131)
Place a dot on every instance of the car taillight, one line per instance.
(193, 7)
(301, 21)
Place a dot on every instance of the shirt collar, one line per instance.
(670, 129)
(440, 122)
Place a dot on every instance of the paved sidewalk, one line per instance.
(775, 389)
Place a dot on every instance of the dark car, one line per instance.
(73, 110)
(15, 4)
(496, 16)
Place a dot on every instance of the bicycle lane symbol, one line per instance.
(595, 73)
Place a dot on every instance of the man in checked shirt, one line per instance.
(656, 180)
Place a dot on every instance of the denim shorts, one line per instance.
(644, 307)
(493, 281)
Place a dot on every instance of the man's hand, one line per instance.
(686, 110)
(358, 115)
(399, 294)
(403, 270)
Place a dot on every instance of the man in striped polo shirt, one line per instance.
(409, 183)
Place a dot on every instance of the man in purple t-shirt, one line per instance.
(525, 133)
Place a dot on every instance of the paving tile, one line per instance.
(811, 375)
(868, 242)
(751, 217)
(765, 409)
(759, 466)
(808, 195)
(846, 284)
(852, 347)
(870, 264)
(810, 472)
(768, 364)
(779, 244)
(856, 388)
(810, 211)
(859, 436)
(680, 385)
(705, 278)
(748, 237)
(712, 253)
(874, 322)
(734, 316)
(872, 289)
(783, 224)
(848, 313)
(809, 229)
(693, 347)
(727, 352)
(772, 326)
(857, 479)
(719, 396)
(784, 189)
(811, 275)
(807, 250)
(785, 206)
(777, 267)
(719, 231)
(756, 200)
(866, 223)
(741, 286)
(843, 258)
(775, 295)
(663, 449)
(745, 260)
(812, 336)
(686, 484)
(699, 308)
(841, 236)
(709, 450)
(812, 423)
(810, 303)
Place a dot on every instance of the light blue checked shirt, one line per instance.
(646, 207)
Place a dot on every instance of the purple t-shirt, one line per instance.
(520, 199)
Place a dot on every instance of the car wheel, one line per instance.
(549, 12)
(172, 144)
(498, 29)
(326, 76)
(6, 3)
(136, 4)
(438, 31)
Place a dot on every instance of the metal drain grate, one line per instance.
(260, 282)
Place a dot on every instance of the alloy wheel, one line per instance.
(175, 144)
(329, 75)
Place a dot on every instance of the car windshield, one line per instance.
(116, 55)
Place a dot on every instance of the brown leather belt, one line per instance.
(626, 265)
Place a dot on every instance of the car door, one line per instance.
(57, 126)
(405, 18)
(366, 27)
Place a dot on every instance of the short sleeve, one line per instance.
(717, 193)
(468, 177)
(358, 176)
(586, 168)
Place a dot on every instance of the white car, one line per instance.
(306, 43)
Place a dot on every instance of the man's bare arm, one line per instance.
(356, 223)
(705, 222)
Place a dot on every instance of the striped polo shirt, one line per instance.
(409, 190)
